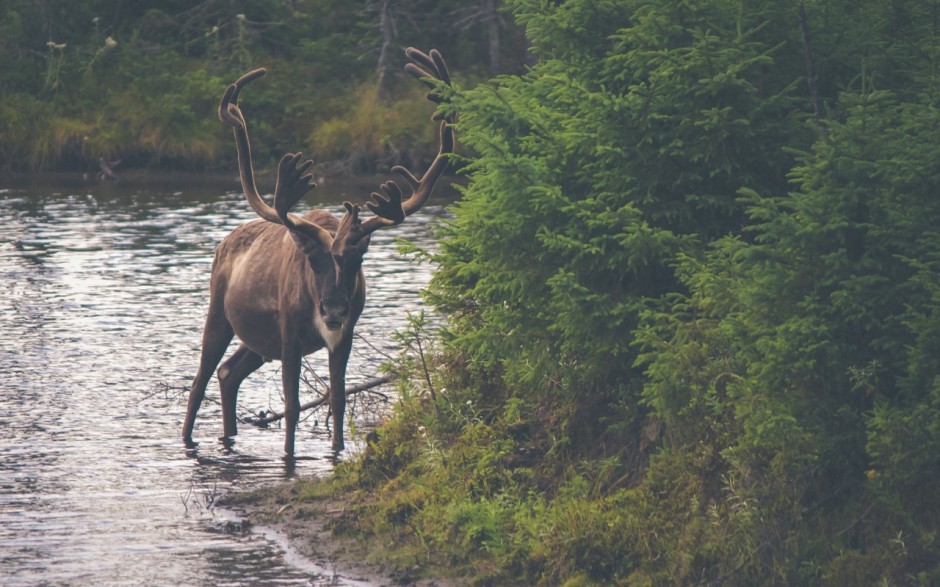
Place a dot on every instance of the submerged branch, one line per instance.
(275, 416)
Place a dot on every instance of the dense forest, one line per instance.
(140, 80)
(691, 290)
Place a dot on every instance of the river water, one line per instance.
(103, 293)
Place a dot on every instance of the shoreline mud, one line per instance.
(304, 529)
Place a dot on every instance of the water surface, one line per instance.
(103, 292)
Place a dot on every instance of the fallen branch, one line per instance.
(263, 420)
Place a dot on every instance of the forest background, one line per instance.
(140, 81)
(691, 288)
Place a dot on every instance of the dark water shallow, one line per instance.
(102, 299)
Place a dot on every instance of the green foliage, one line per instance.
(803, 351)
(692, 331)
(593, 172)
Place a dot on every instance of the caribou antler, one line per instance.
(388, 207)
(429, 67)
(231, 114)
(292, 182)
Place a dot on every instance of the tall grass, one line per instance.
(170, 121)
(34, 137)
(373, 134)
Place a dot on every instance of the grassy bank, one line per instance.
(170, 123)
(455, 490)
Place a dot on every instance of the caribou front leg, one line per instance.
(290, 380)
(339, 356)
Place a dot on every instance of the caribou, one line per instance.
(288, 285)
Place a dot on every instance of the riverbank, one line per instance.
(320, 527)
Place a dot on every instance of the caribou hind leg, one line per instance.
(233, 371)
(216, 337)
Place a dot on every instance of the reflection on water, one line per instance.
(103, 292)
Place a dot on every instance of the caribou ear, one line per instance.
(349, 230)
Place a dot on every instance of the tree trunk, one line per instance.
(492, 29)
(386, 65)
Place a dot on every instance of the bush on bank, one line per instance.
(692, 326)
